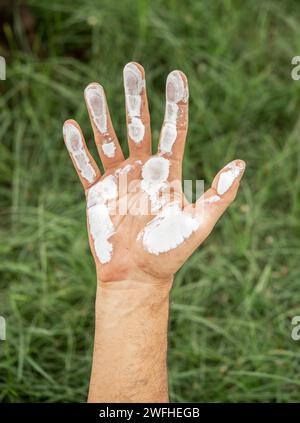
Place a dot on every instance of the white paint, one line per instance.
(109, 149)
(134, 84)
(212, 199)
(100, 223)
(227, 178)
(155, 173)
(101, 229)
(176, 89)
(102, 191)
(168, 230)
(168, 137)
(95, 98)
(123, 170)
(136, 130)
(74, 143)
(176, 92)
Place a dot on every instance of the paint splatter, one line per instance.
(109, 149)
(136, 130)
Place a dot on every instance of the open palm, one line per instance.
(139, 221)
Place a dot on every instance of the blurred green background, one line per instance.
(233, 301)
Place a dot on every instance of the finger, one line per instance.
(174, 129)
(137, 112)
(216, 200)
(84, 163)
(105, 137)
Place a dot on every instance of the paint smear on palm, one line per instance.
(134, 84)
(176, 92)
(96, 101)
(75, 146)
(155, 174)
(100, 223)
(168, 230)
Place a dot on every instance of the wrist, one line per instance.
(145, 283)
(127, 296)
(129, 276)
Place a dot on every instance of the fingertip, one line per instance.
(93, 86)
(134, 67)
(229, 177)
(241, 163)
(177, 87)
(134, 81)
(178, 72)
(67, 123)
(71, 122)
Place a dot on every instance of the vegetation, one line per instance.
(233, 301)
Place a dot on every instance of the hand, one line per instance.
(140, 225)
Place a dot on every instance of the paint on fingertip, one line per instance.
(176, 92)
(176, 89)
(134, 84)
(168, 230)
(109, 149)
(95, 98)
(228, 176)
(155, 173)
(100, 223)
(136, 130)
(74, 143)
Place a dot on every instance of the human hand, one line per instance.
(140, 225)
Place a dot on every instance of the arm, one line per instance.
(141, 231)
(129, 362)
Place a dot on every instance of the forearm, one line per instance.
(130, 349)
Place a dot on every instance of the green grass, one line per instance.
(233, 301)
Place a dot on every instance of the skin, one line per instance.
(132, 300)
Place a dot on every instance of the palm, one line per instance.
(138, 218)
